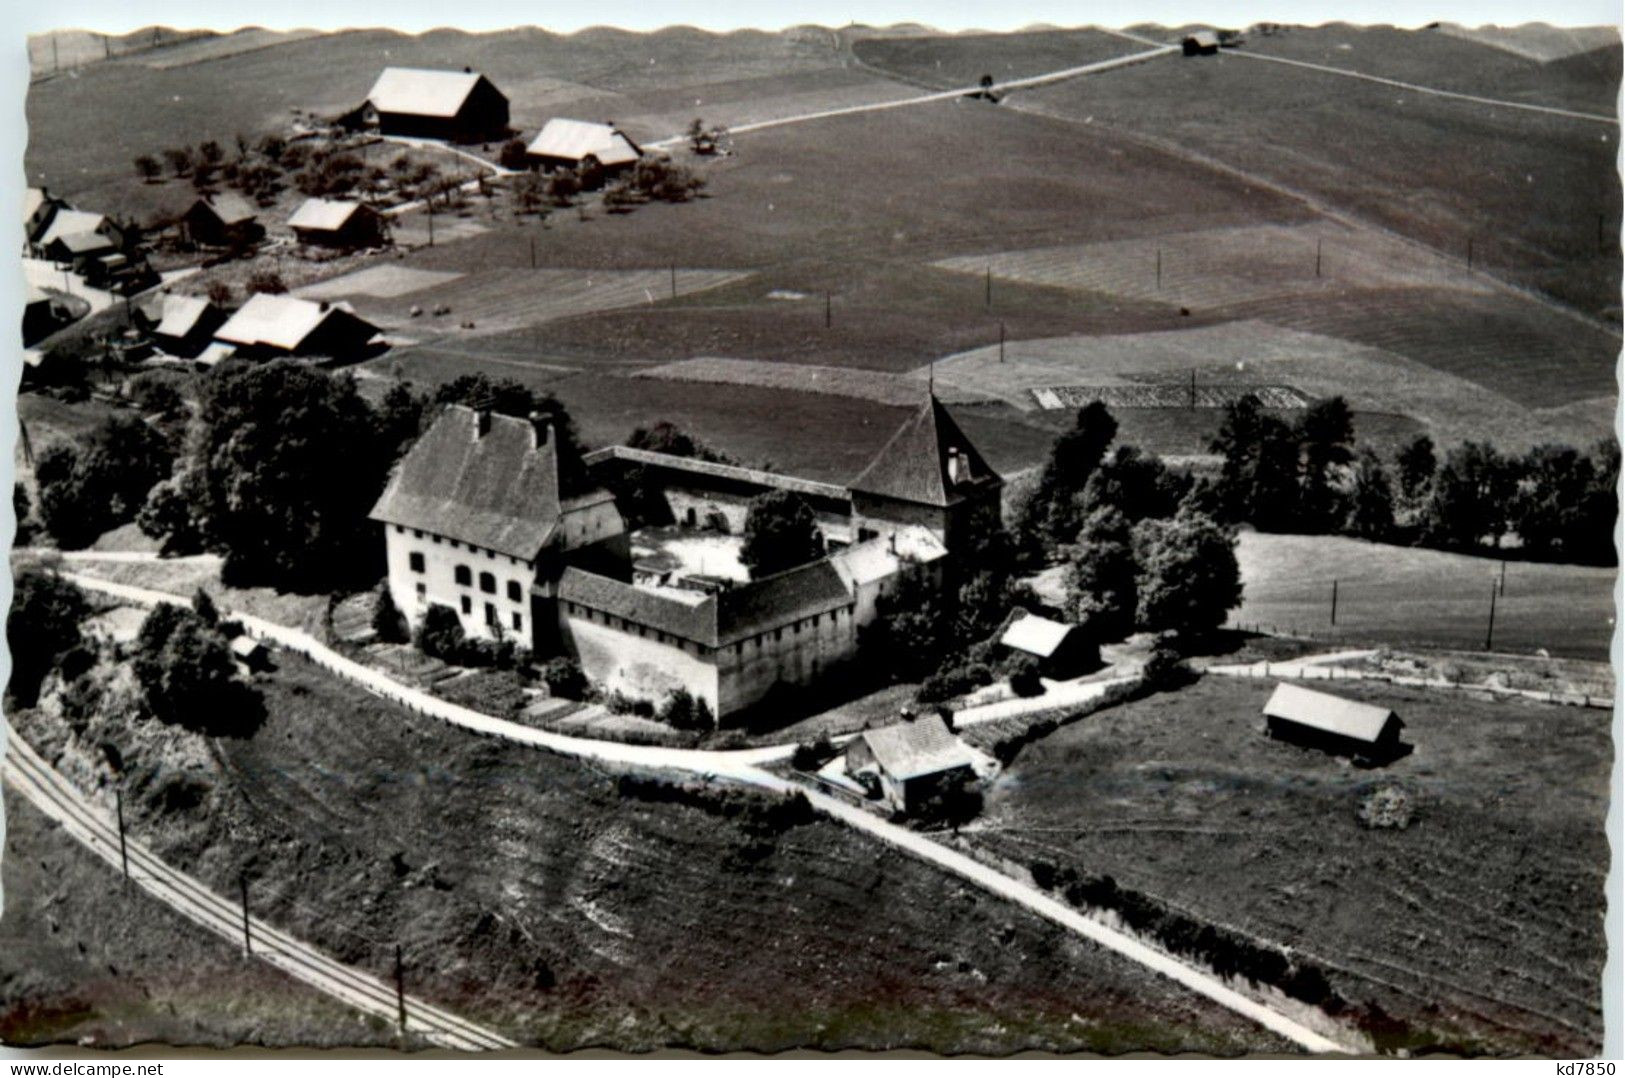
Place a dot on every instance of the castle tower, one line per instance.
(930, 475)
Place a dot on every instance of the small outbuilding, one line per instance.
(250, 654)
(327, 222)
(76, 234)
(579, 144)
(39, 207)
(1063, 651)
(44, 314)
(268, 326)
(905, 764)
(1344, 727)
(455, 106)
(187, 326)
(223, 220)
(1200, 43)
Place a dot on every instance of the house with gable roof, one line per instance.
(454, 106)
(906, 763)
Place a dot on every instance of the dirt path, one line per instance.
(60, 801)
(745, 766)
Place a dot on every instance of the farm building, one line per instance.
(455, 106)
(1321, 720)
(223, 220)
(1200, 43)
(75, 234)
(474, 521)
(39, 206)
(1063, 651)
(333, 223)
(275, 325)
(578, 144)
(904, 764)
(250, 654)
(43, 315)
(187, 325)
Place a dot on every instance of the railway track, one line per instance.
(47, 790)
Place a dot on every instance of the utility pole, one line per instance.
(829, 310)
(674, 280)
(248, 944)
(1317, 258)
(533, 252)
(428, 204)
(1001, 342)
(123, 851)
(1503, 585)
(1469, 253)
(987, 297)
(1489, 634)
(400, 989)
(1334, 602)
(1193, 389)
(1159, 269)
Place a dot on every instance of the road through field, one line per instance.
(60, 801)
(946, 95)
(745, 766)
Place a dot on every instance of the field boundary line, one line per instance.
(1551, 110)
(57, 798)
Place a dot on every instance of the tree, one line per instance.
(172, 511)
(529, 190)
(1138, 485)
(1051, 516)
(620, 197)
(1565, 506)
(666, 437)
(210, 153)
(44, 624)
(86, 490)
(564, 678)
(512, 154)
(387, 622)
(1189, 580)
(1326, 434)
(148, 168)
(219, 293)
(1371, 499)
(203, 606)
(909, 636)
(781, 533)
(282, 465)
(561, 187)
(440, 634)
(660, 179)
(1101, 572)
(188, 677)
(1414, 466)
(1472, 492)
(179, 160)
(400, 417)
(1259, 477)
(21, 509)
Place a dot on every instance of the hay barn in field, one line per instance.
(223, 220)
(1331, 723)
(332, 223)
(453, 106)
(1063, 651)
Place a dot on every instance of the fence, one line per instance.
(1333, 672)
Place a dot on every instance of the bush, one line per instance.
(188, 676)
(267, 281)
(1166, 668)
(512, 154)
(203, 606)
(1024, 677)
(954, 680)
(810, 756)
(681, 710)
(564, 678)
(387, 621)
(440, 636)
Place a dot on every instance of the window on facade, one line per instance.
(464, 575)
(468, 605)
(515, 592)
(399, 530)
(423, 591)
(415, 560)
(436, 539)
(488, 583)
(518, 624)
(491, 615)
(416, 534)
(778, 634)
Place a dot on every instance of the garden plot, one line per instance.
(498, 301)
(876, 386)
(1212, 268)
(380, 282)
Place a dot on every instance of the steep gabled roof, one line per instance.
(494, 490)
(924, 746)
(914, 466)
(1323, 711)
(82, 243)
(66, 222)
(181, 315)
(230, 207)
(279, 321)
(1035, 635)
(323, 214)
(574, 140)
(779, 600)
(418, 91)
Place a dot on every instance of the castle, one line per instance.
(474, 520)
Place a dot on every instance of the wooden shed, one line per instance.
(565, 143)
(334, 223)
(223, 220)
(268, 326)
(904, 764)
(1200, 43)
(187, 325)
(1063, 651)
(1333, 724)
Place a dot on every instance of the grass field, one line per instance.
(1405, 595)
(85, 961)
(530, 897)
(949, 62)
(1481, 922)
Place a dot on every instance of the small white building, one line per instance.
(903, 764)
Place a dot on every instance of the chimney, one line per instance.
(540, 428)
(467, 70)
(955, 467)
(891, 542)
(482, 423)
